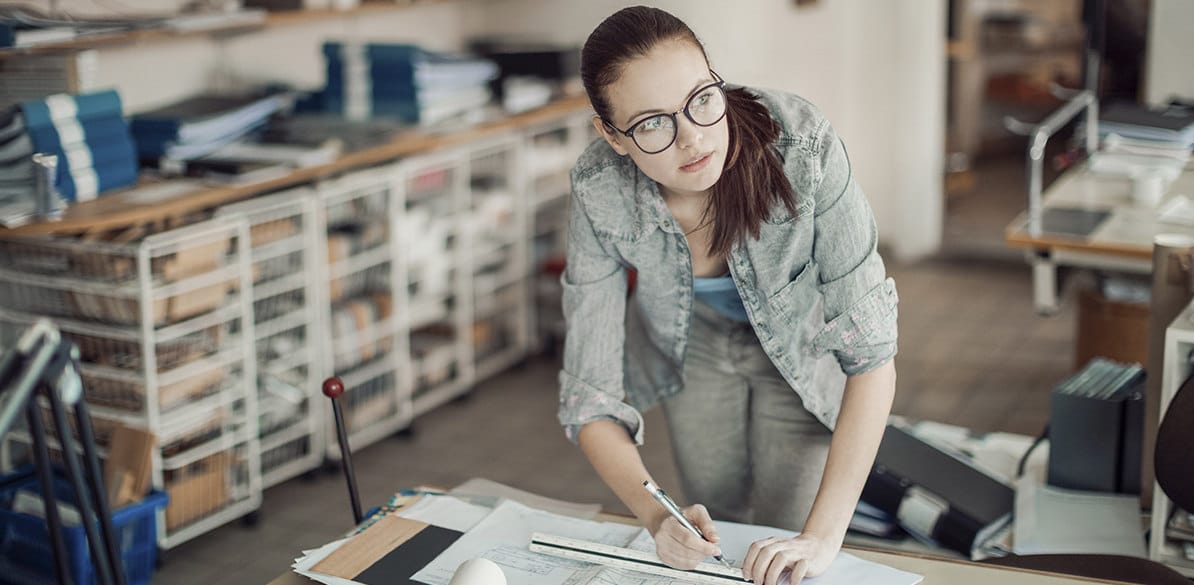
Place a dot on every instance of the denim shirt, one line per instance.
(813, 284)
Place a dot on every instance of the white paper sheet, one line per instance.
(503, 537)
(1051, 520)
(846, 569)
(503, 534)
(310, 558)
(445, 512)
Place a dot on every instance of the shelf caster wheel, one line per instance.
(331, 467)
(251, 520)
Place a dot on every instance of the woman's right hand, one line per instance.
(681, 549)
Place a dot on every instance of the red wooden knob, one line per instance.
(333, 387)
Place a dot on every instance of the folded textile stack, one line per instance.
(201, 125)
(404, 82)
(90, 137)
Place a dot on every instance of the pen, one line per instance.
(674, 510)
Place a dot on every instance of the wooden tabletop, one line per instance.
(124, 208)
(1128, 231)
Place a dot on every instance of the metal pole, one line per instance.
(100, 496)
(74, 473)
(41, 457)
(332, 388)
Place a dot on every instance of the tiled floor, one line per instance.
(972, 353)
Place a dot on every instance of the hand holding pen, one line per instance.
(678, 514)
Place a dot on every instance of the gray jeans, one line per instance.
(745, 446)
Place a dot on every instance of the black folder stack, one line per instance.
(1096, 420)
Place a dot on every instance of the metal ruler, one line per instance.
(634, 560)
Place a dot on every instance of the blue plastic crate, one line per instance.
(26, 557)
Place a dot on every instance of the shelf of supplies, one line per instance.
(230, 311)
(425, 313)
(226, 441)
(279, 248)
(52, 442)
(120, 209)
(490, 251)
(222, 360)
(280, 324)
(290, 361)
(361, 262)
(492, 306)
(229, 273)
(376, 368)
(239, 504)
(295, 430)
(438, 395)
(164, 34)
(279, 285)
(499, 281)
(373, 433)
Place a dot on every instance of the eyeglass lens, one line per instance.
(704, 108)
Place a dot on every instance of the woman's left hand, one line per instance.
(805, 556)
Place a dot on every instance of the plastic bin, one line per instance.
(27, 558)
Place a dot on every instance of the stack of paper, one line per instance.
(17, 199)
(203, 124)
(29, 77)
(404, 82)
(446, 532)
(89, 135)
(1173, 125)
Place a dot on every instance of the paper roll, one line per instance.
(1173, 255)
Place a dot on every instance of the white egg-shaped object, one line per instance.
(478, 572)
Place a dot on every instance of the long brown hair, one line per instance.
(753, 179)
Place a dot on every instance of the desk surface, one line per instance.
(1127, 232)
(936, 571)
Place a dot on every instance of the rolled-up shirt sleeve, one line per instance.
(594, 302)
(860, 301)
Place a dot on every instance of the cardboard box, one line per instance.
(127, 471)
(197, 490)
(1112, 329)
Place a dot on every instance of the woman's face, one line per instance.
(661, 82)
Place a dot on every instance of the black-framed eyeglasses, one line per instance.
(655, 134)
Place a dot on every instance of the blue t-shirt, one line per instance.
(720, 293)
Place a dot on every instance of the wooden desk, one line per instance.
(1123, 242)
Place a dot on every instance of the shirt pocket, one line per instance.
(796, 297)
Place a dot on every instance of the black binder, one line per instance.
(935, 494)
(1096, 420)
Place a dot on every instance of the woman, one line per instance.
(762, 317)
